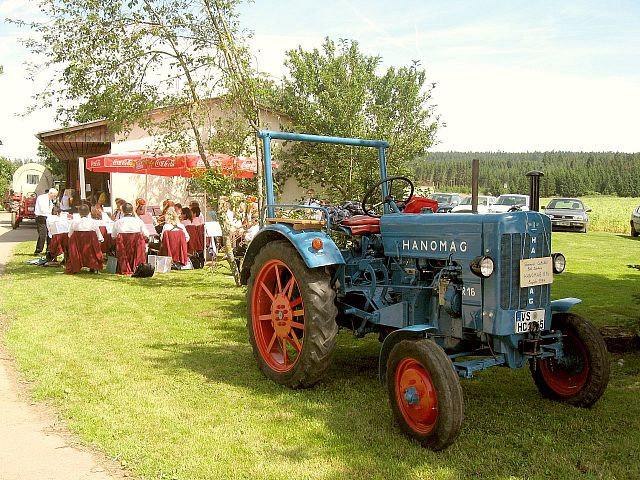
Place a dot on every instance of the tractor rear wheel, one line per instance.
(581, 376)
(634, 232)
(291, 316)
(15, 222)
(425, 393)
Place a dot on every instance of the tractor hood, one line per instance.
(452, 235)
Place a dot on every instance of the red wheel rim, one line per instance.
(568, 376)
(278, 316)
(416, 395)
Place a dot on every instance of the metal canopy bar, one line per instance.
(268, 135)
(303, 137)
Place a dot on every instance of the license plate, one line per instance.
(563, 224)
(529, 321)
(31, 209)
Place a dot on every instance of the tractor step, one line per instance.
(467, 368)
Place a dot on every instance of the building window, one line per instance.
(32, 179)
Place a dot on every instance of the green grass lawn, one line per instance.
(159, 373)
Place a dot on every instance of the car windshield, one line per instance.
(565, 204)
(481, 201)
(511, 200)
(441, 197)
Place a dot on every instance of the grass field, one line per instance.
(158, 373)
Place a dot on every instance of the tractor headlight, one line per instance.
(482, 266)
(559, 262)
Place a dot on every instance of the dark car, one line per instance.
(568, 214)
(635, 222)
(446, 201)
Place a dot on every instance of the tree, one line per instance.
(336, 91)
(49, 160)
(120, 59)
(7, 167)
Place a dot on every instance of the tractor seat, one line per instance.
(362, 224)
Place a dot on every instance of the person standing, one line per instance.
(44, 204)
(129, 223)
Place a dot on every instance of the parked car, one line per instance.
(484, 202)
(446, 201)
(567, 214)
(635, 222)
(510, 201)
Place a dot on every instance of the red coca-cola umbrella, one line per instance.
(173, 165)
(115, 162)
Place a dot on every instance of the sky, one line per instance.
(510, 75)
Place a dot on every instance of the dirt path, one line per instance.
(34, 444)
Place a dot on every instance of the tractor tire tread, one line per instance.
(321, 328)
(447, 384)
(598, 355)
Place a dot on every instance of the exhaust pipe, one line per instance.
(475, 177)
(534, 189)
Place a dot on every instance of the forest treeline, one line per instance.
(565, 173)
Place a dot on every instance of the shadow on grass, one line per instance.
(507, 428)
(629, 237)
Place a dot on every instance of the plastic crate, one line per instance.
(160, 263)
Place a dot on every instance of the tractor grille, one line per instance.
(513, 248)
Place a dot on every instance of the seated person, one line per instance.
(196, 215)
(186, 217)
(129, 223)
(141, 207)
(130, 234)
(118, 213)
(85, 223)
(161, 218)
(172, 222)
(57, 241)
(84, 243)
(99, 216)
(55, 218)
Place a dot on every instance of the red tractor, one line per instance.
(21, 206)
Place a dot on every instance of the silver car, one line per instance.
(635, 222)
(568, 214)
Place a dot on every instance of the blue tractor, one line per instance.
(448, 295)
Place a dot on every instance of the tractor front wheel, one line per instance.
(291, 316)
(581, 376)
(425, 393)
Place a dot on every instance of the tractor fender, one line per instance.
(412, 331)
(563, 304)
(300, 239)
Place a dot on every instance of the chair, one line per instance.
(58, 245)
(84, 251)
(107, 244)
(130, 252)
(196, 239)
(174, 245)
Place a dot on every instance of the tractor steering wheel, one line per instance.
(369, 208)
